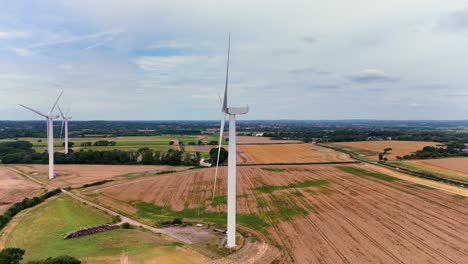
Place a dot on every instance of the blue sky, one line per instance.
(159, 60)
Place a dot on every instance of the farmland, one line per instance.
(40, 233)
(130, 143)
(314, 213)
(449, 168)
(371, 149)
(288, 153)
(77, 175)
(14, 188)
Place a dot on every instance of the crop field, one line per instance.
(371, 149)
(312, 213)
(288, 153)
(130, 143)
(40, 232)
(263, 140)
(450, 168)
(77, 175)
(14, 188)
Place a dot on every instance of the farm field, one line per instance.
(288, 153)
(449, 168)
(263, 140)
(77, 175)
(14, 188)
(130, 143)
(371, 149)
(313, 213)
(40, 232)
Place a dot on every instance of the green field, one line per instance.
(160, 143)
(41, 231)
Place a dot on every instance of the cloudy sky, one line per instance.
(308, 59)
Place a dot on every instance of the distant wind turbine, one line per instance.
(65, 119)
(231, 195)
(50, 133)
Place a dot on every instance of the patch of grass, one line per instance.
(270, 189)
(424, 187)
(274, 169)
(219, 200)
(459, 197)
(223, 199)
(159, 214)
(96, 183)
(297, 194)
(40, 233)
(286, 208)
(362, 172)
(262, 203)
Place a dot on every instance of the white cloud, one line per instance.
(13, 34)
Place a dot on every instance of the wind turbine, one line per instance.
(50, 133)
(65, 119)
(231, 195)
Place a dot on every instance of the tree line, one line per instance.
(21, 152)
(453, 149)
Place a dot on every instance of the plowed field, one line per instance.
(339, 218)
(77, 175)
(14, 188)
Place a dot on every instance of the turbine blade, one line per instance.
(224, 109)
(221, 131)
(47, 131)
(61, 130)
(56, 101)
(60, 110)
(34, 110)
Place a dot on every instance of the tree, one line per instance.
(381, 156)
(214, 155)
(57, 260)
(11, 255)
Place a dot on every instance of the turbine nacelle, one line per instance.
(238, 110)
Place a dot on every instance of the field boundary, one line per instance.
(295, 163)
(396, 168)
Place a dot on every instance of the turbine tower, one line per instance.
(65, 119)
(231, 195)
(50, 133)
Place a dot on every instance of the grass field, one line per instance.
(41, 231)
(371, 149)
(313, 214)
(122, 143)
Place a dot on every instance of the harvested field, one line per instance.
(77, 175)
(371, 149)
(288, 153)
(14, 188)
(450, 167)
(322, 213)
(263, 140)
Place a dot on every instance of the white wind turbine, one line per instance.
(65, 119)
(231, 195)
(50, 133)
